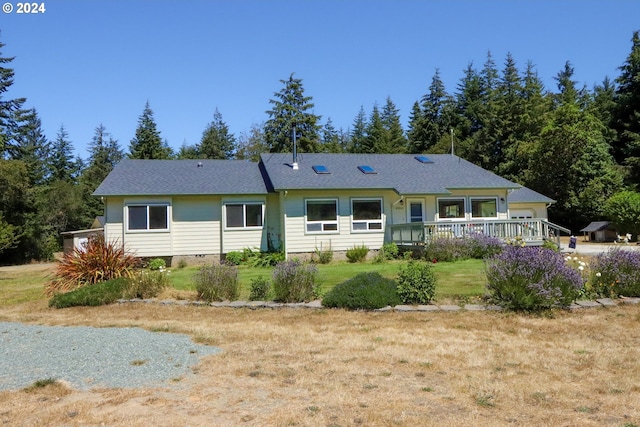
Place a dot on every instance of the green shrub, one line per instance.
(357, 253)
(98, 294)
(217, 283)
(96, 262)
(323, 256)
(294, 281)
(260, 289)
(182, 263)
(416, 283)
(147, 284)
(390, 251)
(266, 259)
(234, 258)
(366, 291)
(157, 264)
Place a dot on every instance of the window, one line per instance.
(367, 169)
(415, 212)
(450, 208)
(147, 217)
(320, 169)
(244, 215)
(484, 208)
(321, 216)
(366, 215)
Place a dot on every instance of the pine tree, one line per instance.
(8, 108)
(292, 109)
(147, 143)
(31, 146)
(217, 142)
(358, 136)
(375, 141)
(395, 141)
(251, 145)
(63, 166)
(626, 116)
(331, 142)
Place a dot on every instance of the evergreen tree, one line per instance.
(415, 138)
(31, 146)
(626, 116)
(63, 166)
(147, 143)
(358, 136)
(394, 140)
(217, 142)
(9, 108)
(187, 152)
(331, 142)
(376, 133)
(104, 154)
(292, 108)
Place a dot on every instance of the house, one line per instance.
(207, 208)
(600, 231)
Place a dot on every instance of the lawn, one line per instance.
(459, 280)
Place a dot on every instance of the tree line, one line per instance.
(576, 145)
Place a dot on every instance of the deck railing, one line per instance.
(530, 231)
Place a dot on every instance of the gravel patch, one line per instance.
(87, 357)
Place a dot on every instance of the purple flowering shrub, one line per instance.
(294, 281)
(477, 246)
(531, 278)
(616, 273)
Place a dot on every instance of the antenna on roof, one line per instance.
(294, 165)
(452, 153)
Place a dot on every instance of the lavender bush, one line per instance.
(531, 278)
(616, 273)
(294, 281)
(476, 246)
(217, 283)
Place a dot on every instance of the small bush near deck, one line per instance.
(616, 273)
(357, 253)
(294, 281)
(530, 278)
(260, 289)
(96, 262)
(98, 294)
(217, 283)
(366, 291)
(147, 284)
(416, 283)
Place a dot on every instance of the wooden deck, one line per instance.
(532, 232)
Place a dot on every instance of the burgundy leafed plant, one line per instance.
(95, 262)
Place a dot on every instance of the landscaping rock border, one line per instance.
(316, 304)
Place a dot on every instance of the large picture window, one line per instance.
(244, 215)
(321, 216)
(366, 214)
(147, 217)
(450, 208)
(484, 207)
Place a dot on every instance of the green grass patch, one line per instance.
(23, 283)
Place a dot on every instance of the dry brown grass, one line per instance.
(303, 367)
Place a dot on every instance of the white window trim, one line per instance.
(463, 217)
(244, 216)
(471, 199)
(322, 223)
(368, 221)
(147, 230)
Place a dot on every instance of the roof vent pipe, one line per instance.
(294, 165)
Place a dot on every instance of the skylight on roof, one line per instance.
(423, 159)
(320, 169)
(367, 169)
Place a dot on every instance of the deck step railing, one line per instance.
(530, 231)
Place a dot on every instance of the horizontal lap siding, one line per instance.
(148, 244)
(237, 240)
(196, 225)
(299, 241)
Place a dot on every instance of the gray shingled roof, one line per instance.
(527, 195)
(399, 172)
(168, 177)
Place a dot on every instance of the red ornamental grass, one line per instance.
(95, 262)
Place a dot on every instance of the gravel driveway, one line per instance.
(88, 357)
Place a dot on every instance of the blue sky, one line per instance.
(85, 63)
